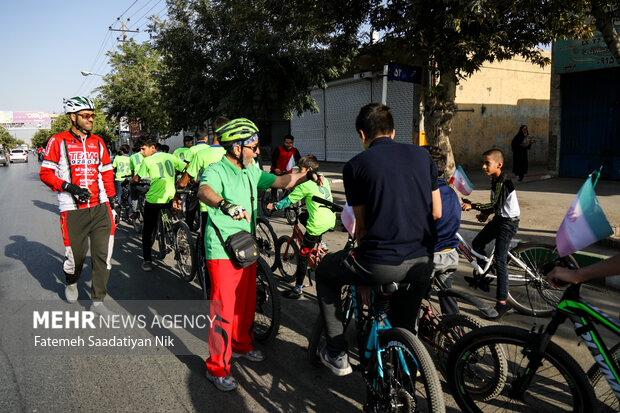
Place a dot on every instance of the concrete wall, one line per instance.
(503, 96)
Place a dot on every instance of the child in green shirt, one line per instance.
(317, 220)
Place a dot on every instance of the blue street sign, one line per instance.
(404, 73)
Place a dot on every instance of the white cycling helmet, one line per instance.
(78, 103)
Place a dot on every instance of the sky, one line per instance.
(47, 43)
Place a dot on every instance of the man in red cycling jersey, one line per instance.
(77, 166)
(284, 157)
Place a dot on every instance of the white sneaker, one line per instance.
(226, 383)
(252, 355)
(97, 307)
(71, 293)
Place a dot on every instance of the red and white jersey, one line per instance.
(81, 161)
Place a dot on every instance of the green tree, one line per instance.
(453, 38)
(131, 88)
(102, 127)
(254, 58)
(6, 139)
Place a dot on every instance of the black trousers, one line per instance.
(343, 268)
(151, 215)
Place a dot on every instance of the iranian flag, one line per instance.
(584, 223)
(460, 182)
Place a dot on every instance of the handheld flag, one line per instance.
(348, 219)
(460, 181)
(291, 163)
(584, 223)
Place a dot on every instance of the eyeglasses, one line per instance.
(87, 115)
(252, 148)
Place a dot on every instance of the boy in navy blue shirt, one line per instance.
(446, 257)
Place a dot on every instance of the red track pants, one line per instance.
(233, 296)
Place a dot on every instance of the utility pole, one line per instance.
(123, 29)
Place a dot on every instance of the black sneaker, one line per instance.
(501, 309)
(294, 293)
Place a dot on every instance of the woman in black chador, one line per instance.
(521, 143)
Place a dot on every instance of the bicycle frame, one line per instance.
(317, 252)
(584, 316)
(468, 252)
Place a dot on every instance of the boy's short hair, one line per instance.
(440, 158)
(375, 119)
(495, 154)
(148, 142)
(219, 122)
(188, 138)
(308, 162)
(291, 137)
(165, 148)
(124, 149)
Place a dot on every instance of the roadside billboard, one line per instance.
(31, 117)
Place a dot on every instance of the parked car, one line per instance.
(18, 155)
(4, 160)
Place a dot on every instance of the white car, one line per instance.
(18, 155)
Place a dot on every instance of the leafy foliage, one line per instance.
(6, 139)
(131, 88)
(252, 58)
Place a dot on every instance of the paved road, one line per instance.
(30, 263)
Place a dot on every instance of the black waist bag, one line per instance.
(242, 249)
(241, 246)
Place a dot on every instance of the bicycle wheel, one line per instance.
(316, 341)
(404, 379)
(528, 290)
(557, 385)
(287, 257)
(602, 390)
(160, 233)
(449, 330)
(201, 270)
(185, 252)
(266, 241)
(266, 199)
(267, 315)
(291, 214)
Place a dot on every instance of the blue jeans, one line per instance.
(119, 191)
(501, 230)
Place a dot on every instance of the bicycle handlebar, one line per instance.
(326, 204)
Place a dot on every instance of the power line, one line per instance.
(138, 11)
(128, 9)
(147, 12)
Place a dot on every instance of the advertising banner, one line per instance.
(576, 55)
(134, 127)
(31, 117)
(6, 116)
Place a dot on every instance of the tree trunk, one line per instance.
(605, 24)
(439, 112)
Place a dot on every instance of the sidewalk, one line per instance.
(543, 200)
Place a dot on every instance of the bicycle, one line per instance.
(174, 235)
(141, 188)
(291, 212)
(529, 292)
(123, 208)
(287, 248)
(266, 242)
(396, 367)
(539, 374)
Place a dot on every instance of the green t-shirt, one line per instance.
(181, 153)
(320, 218)
(232, 184)
(160, 168)
(135, 160)
(201, 161)
(199, 147)
(123, 168)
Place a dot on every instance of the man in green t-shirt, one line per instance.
(122, 170)
(160, 167)
(188, 142)
(207, 155)
(317, 220)
(229, 188)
